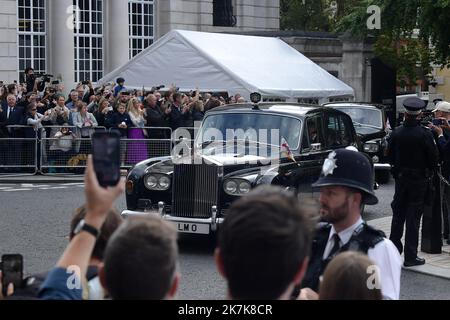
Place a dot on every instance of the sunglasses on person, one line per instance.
(33, 109)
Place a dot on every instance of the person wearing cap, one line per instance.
(413, 155)
(120, 86)
(346, 184)
(442, 113)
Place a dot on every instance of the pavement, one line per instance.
(437, 265)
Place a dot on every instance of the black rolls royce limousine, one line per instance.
(237, 148)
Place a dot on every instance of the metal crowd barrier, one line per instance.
(18, 155)
(69, 157)
(67, 154)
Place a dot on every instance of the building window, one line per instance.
(32, 34)
(88, 40)
(223, 13)
(140, 25)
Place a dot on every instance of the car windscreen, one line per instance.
(364, 116)
(259, 127)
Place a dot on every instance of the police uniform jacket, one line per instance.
(412, 147)
(362, 238)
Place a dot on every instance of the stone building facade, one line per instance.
(107, 33)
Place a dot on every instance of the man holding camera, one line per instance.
(441, 128)
(32, 81)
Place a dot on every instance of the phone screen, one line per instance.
(106, 157)
(12, 270)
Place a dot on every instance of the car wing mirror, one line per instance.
(316, 147)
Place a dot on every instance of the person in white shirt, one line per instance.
(346, 185)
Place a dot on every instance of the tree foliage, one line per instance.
(310, 15)
(413, 32)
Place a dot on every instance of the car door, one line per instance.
(313, 153)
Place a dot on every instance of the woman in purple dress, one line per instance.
(137, 148)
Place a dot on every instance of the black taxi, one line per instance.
(237, 148)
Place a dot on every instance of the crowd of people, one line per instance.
(135, 114)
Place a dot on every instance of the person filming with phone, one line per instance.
(441, 128)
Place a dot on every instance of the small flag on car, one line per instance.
(286, 150)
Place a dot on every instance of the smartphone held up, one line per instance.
(106, 157)
(12, 271)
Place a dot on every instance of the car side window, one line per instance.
(344, 131)
(312, 133)
(333, 134)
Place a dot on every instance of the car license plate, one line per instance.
(192, 228)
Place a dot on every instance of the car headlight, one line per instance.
(157, 182)
(237, 187)
(371, 147)
(244, 187)
(230, 187)
(164, 182)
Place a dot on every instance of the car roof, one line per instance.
(367, 105)
(280, 108)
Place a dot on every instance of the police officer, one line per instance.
(413, 155)
(346, 184)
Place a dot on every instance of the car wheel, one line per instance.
(382, 177)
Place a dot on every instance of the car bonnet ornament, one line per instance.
(329, 164)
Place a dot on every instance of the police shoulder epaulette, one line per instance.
(375, 236)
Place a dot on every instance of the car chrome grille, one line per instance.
(195, 190)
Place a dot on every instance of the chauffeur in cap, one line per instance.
(346, 184)
(413, 155)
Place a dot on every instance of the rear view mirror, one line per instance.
(316, 147)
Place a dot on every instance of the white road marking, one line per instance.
(30, 186)
(35, 185)
(53, 188)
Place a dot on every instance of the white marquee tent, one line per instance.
(234, 63)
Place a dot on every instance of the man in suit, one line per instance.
(14, 116)
(177, 113)
(11, 115)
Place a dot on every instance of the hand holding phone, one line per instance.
(106, 157)
(12, 272)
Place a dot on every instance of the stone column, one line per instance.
(61, 56)
(355, 67)
(8, 41)
(117, 47)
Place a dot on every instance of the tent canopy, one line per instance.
(223, 62)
